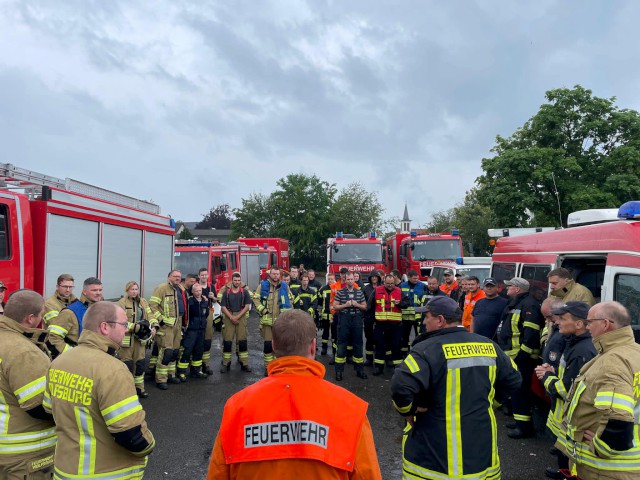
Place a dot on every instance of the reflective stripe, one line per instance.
(515, 332)
(623, 461)
(30, 390)
(495, 460)
(131, 473)
(453, 424)
(411, 364)
(471, 362)
(535, 326)
(86, 441)
(49, 315)
(413, 471)
(122, 409)
(521, 418)
(403, 410)
(4, 413)
(615, 400)
(27, 442)
(58, 330)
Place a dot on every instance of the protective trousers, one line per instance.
(350, 327)
(408, 324)
(192, 349)
(239, 332)
(387, 337)
(208, 340)
(168, 340)
(368, 335)
(521, 398)
(134, 358)
(325, 324)
(265, 331)
(27, 466)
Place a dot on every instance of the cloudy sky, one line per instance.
(192, 103)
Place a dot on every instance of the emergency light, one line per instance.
(455, 232)
(414, 233)
(460, 261)
(629, 210)
(339, 235)
(372, 234)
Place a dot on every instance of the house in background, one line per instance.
(212, 235)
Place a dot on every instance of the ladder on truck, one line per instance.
(32, 183)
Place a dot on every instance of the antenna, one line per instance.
(555, 187)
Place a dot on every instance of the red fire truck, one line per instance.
(604, 257)
(268, 247)
(357, 254)
(221, 260)
(50, 226)
(410, 251)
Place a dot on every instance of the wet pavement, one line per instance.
(186, 418)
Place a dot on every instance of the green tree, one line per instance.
(185, 234)
(355, 210)
(473, 220)
(218, 217)
(442, 221)
(579, 151)
(255, 218)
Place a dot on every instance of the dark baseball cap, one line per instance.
(577, 309)
(490, 281)
(441, 305)
(448, 271)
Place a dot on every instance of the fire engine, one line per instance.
(50, 226)
(269, 246)
(604, 257)
(410, 251)
(221, 260)
(356, 254)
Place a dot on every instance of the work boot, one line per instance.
(162, 386)
(361, 374)
(512, 424)
(182, 377)
(199, 375)
(519, 433)
(378, 371)
(207, 369)
(245, 368)
(141, 393)
(338, 376)
(225, 368)
(551, 472)
(174, 380)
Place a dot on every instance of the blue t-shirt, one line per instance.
(486, 315)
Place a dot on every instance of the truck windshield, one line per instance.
(264, 259)
(436, 249)
(356, 253)
(190, 262)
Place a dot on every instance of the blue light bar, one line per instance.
(629, 210)
(372, 234)
(455, 232)
(414, 233)
(460, 261)
(339, 235)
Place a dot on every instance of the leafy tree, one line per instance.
(356, 211)
(256, 217)
(473, 220)
(442, 221)
(218, 217)
(577, 152)
(185, 234)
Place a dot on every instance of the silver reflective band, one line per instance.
(286, 433)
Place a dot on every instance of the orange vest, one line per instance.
(469, 303)
(448, 288)
(384, 311)
(305, 417)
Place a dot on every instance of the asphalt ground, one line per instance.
(185, 420)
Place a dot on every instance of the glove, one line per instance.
(266, 321)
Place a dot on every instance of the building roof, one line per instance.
(405, 217)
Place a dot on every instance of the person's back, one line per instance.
(312, 428)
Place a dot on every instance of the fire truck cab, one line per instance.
(604, 257)
(356, 254)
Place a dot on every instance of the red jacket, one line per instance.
(260, 441)
(386, 310)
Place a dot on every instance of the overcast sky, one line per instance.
(192, 106)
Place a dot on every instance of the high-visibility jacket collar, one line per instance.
(614, 338)
(92, 339)
(294, 365)
(36, 336)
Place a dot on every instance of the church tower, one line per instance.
(405, 226)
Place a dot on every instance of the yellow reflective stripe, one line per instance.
(30, 390)
(581, 387)
(412, 471)
(51, 314)
(535, 326)
(515, 332)
(627, 461)
(46, 401)
(494, 426)
(86, 441)
(411, 363)
(122, 409)
(524, 348)
(129, 473)
(58, 330)
(4, 413)
(615, 400)
(454, 427)
(27, 442)
(402, 410)
(521, 418)
(155, 300)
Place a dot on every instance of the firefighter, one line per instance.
(571, 319)
(294, 281)
(432, 290)
(60, 299)
(450, 285)
(313, 281)
(375, 280)
(99, 420)
(214, 322)
(445, 389)
(306, 298)
(474, 294)
(519, 337)
(142, 326)
(326, 314)
(412, 294)
(311, 429)
(168, 303)
(563, 287)
(236, 302)
(270, 298)
(387, 331)
(600, 412)
(65, 329)
(193, 336)
(28, 438)
(350, 305)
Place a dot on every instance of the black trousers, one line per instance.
(368, 335)
(387, 337)
(521, 398)
(350, 329)
(193, 348)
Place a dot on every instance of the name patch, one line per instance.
(464, 350)
(286, 433)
